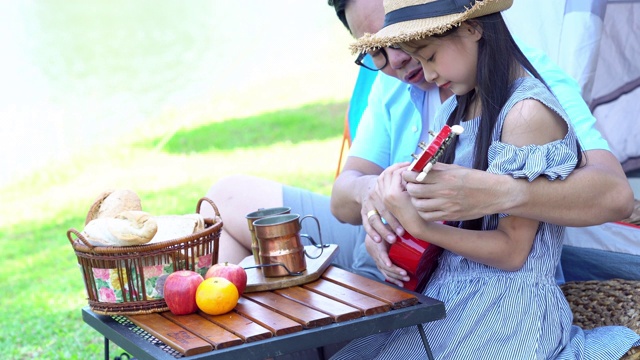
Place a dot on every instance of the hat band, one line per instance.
(431, 9)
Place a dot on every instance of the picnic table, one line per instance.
(337, 307)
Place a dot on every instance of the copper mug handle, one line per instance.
(320, 246)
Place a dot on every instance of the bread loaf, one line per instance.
(112, 202)
(125, 229)
(172, 227)
(116, 219)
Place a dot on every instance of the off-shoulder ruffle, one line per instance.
(553, 160)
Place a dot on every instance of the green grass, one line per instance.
(42, 288)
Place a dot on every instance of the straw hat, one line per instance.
(407, 20)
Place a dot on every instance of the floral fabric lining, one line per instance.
(107, 281)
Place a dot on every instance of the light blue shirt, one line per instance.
(392, 123)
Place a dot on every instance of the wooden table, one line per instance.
(337, 307)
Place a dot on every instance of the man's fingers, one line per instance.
(377, 228)
(395, 282)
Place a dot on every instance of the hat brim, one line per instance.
(420, 28)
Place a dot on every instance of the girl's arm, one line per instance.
(506, 248)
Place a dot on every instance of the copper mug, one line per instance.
(279, 243)
(256, 215)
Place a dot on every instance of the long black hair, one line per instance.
(499, 63)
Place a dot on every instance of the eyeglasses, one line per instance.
(373, 67)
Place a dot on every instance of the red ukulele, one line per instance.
(419, 258)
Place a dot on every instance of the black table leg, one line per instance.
(106, 348)
(425, 342)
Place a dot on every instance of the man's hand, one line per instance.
(451, 192)
(379, 251)
(378, 221)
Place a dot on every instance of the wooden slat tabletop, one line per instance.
(338, 296)
(214, 334)
(276, 323)
(384, 292)
(367, 304)
(337, 310)
(245, 329)
(172, 334)
(308, 317)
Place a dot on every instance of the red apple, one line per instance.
(232, 272)
(180, 291)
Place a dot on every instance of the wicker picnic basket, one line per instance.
(596, 303)
(128, 280)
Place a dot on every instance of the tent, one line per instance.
(597, 42)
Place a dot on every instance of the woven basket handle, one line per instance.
(215, 208)
(76, 233)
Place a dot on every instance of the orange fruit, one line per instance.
(216, 295)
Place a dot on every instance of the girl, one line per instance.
(496, 275)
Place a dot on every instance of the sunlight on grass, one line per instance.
(151, 173)
(290, 126)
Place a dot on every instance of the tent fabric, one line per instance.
(616, 104)
(597, 42)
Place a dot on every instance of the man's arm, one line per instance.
(351, 189)
(609, 198)
(451, 192)
(357, 178)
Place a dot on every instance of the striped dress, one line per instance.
(497, 314)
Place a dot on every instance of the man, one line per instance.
(449, 190)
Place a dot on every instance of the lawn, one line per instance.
(42, 287)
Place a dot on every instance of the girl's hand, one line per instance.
(392, 190)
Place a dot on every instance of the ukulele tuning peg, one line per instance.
(432, 133)
(424, 172)
(416, 157)
(457, 129)
(422, 145)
